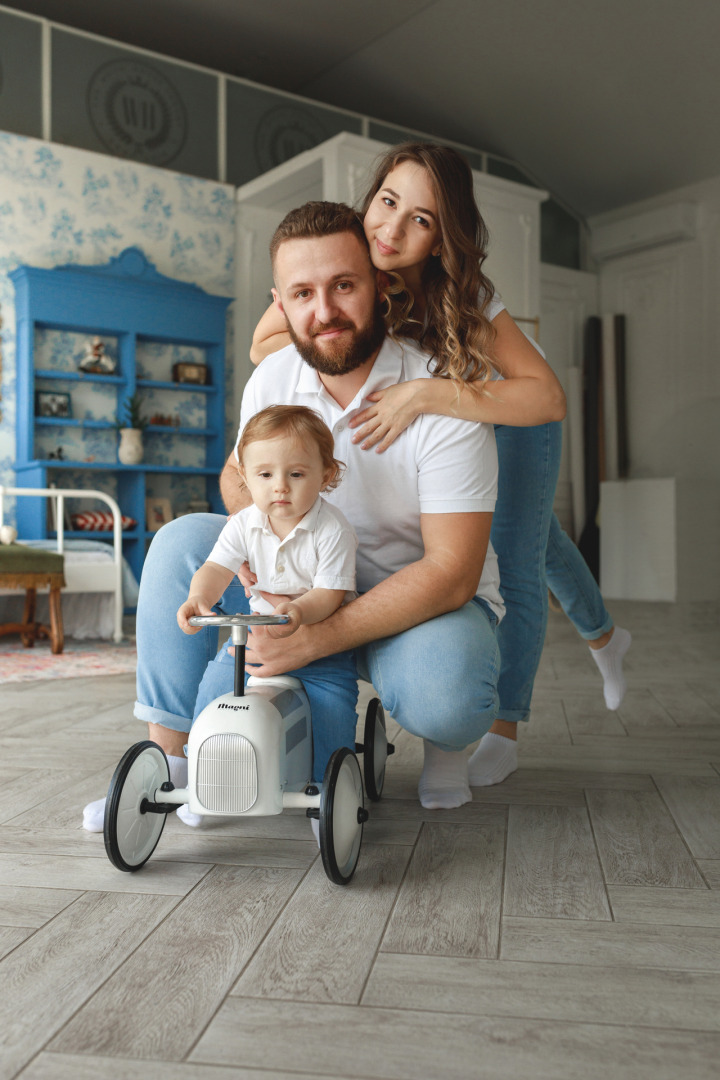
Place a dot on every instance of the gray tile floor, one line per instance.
(565, 924)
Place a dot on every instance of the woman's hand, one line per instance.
(393, 410)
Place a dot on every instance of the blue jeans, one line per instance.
(332, 691)
(573, 585)
(438, 680)
(533, 554)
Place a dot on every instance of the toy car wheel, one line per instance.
(131, 830)
(376, 750)
(342, 816)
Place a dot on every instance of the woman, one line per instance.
(422, 223)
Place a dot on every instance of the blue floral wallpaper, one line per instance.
(62, 205)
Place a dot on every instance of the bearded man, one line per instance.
(423, 626)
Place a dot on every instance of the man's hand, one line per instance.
(266, 654)
(246, 577)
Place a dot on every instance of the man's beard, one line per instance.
(337, 357)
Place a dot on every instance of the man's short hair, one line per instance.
(317, 219)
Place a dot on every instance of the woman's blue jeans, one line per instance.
(534, 554)
(438, 679)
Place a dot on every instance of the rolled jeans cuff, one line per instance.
(150, 715)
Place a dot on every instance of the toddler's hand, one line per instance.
(285, 630)
(194, 605)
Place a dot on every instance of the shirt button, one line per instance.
(341, 427)
(281, 569)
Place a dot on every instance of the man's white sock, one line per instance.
(444, 781)
(188, 818)
(94, 812)
(492, 761)
(609, 660)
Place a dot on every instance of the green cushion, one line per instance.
(18, 559)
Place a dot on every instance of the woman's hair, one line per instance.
(301, 423)
(454, 330)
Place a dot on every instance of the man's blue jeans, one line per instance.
(438, 680)
(534, 554)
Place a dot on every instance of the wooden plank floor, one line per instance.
(564, 924)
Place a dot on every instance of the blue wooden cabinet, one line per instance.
(66, 428)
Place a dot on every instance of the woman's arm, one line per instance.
(270, 335)
(529, 394)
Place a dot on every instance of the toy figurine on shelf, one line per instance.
(96, 361)
(56, 455)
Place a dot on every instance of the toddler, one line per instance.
(301, 551)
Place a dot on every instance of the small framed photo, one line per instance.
(157, 513)
(190, 373)
(51, 403)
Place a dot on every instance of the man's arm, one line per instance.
(444, 579)
(232, 490)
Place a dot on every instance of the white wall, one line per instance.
(669, 293)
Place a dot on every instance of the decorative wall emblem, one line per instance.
(284, 132)
(136, 112)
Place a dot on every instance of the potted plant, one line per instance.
(131, 425)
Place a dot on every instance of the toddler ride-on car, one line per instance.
(249, 754)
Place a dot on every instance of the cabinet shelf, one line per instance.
(195, 388)
(69, 422)
(78, 376)
(117, 467)
(154, 322)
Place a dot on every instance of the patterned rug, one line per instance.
(78, 660)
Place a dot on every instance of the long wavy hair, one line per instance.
(454, 329)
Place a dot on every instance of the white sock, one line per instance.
(188, 818)
(443, 782)
(492, 761)
(609, 659)
(94, 812)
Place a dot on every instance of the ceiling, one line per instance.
(604, 102)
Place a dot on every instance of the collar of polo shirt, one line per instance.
(386, 371)
(256, 519)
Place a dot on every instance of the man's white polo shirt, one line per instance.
(319, 553)
(438, 465)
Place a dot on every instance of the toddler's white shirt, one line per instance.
(319, 553)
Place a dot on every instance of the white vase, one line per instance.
(130, 450)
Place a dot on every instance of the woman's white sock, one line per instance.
(492, 761)
(94, 812)
(609, 660)
(444, 779)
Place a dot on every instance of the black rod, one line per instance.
(239, 671)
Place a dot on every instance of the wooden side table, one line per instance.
(31, 569)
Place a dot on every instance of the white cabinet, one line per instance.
(339, 170)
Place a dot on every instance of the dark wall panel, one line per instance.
(124, 103)
(264, 129)
(20, 75)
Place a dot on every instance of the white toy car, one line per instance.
(249, 754)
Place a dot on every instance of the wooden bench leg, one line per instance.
(57, 639)
(29, 631)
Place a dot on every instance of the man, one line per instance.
(423, 626)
